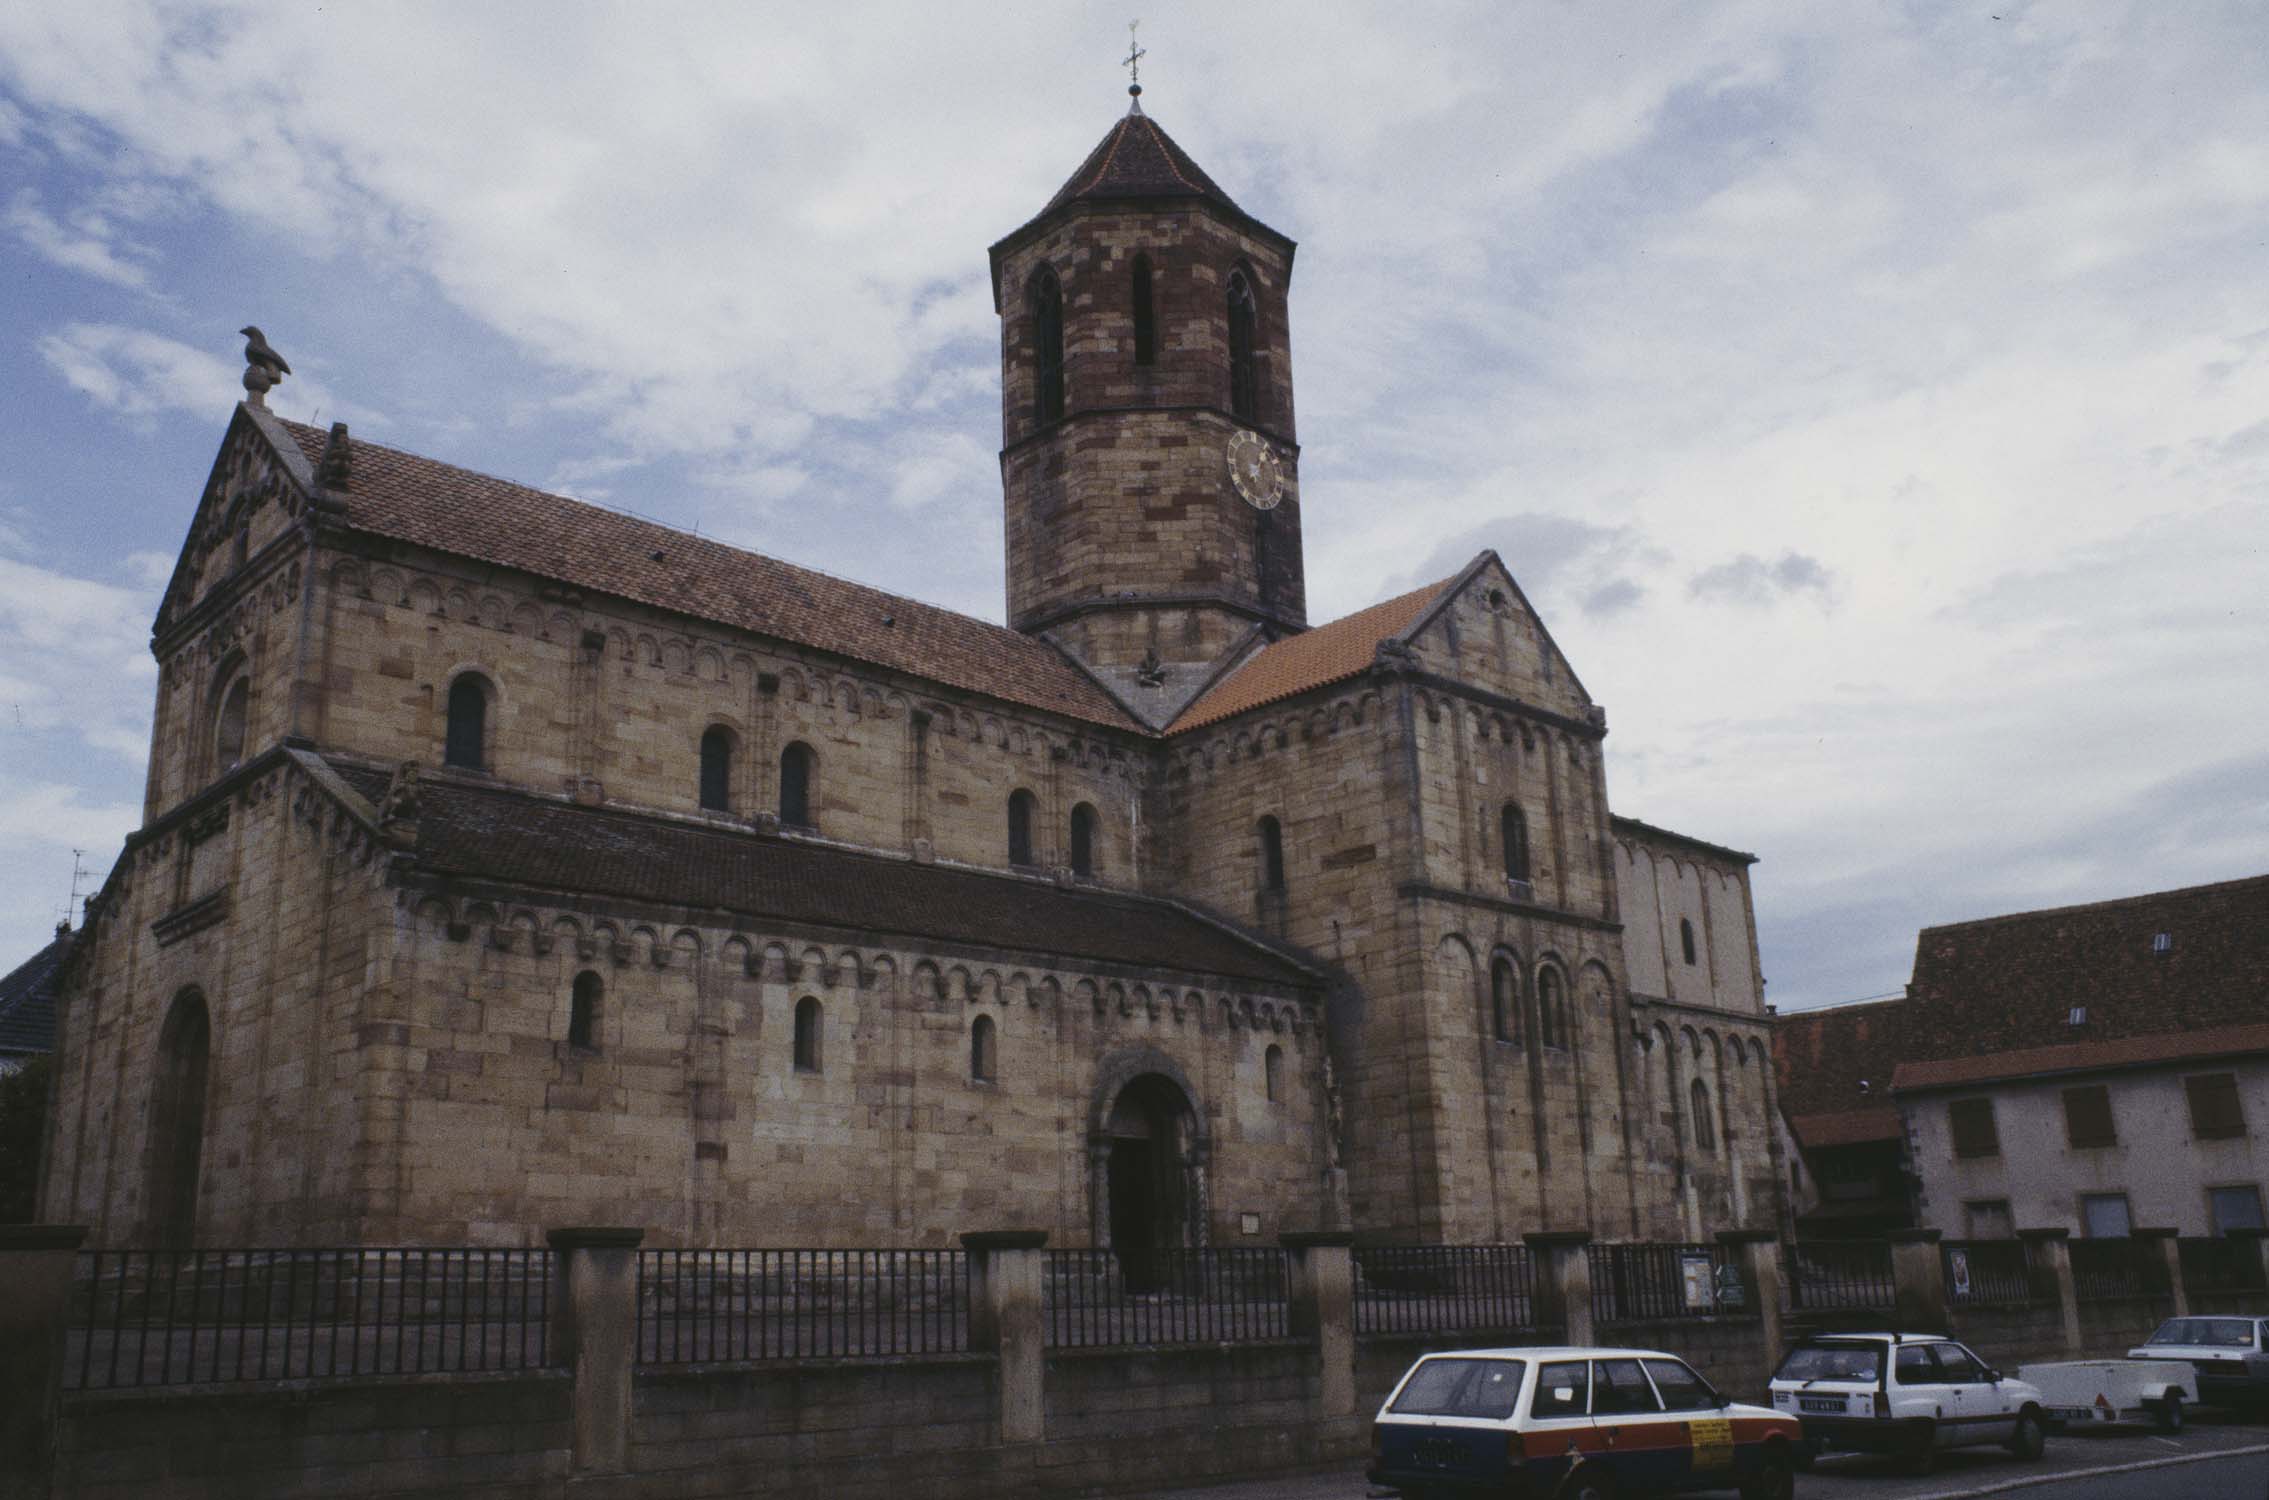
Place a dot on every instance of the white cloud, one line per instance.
(84, 246)
(134, 372)
(75, 657)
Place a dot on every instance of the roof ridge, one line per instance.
(2103, 905)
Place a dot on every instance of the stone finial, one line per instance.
(263, 366)
(337, 462)
(398, 809)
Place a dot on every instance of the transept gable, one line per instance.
(256, 489)
(1480, 631)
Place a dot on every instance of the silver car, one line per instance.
(2230, 1354)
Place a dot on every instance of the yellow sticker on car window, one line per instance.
(1713, 1442)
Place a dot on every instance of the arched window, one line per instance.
(1705, 1128)
(807, 1035)
(467, 739)
(1686, 938)
(177, 1119)
(1272, 1072)
(1145, 318)
(1551, 1009)
(1272, 855)
(1047, 346)
(1020, 807)
(583, 1011)
(795, 785)
(228, 726)
(1505, 1000)
(717, 769)
(1083, 836)
(1244, 337)
(983, 1042)
(1512, 834)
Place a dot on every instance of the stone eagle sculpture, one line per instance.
(263, 366)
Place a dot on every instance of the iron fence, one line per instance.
(181, 1317)
(2107, 1268)
(723, 1305)
(1840, 1275)
(1988, 1273)
(1630, 1282)
(1443, 1288)
(1097, 1298)
(2220, 1265)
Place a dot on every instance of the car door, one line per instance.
(1978, 1399)
(1919, 1390)
(1688, 1400)
(1559, 1431)
(1646, 1451)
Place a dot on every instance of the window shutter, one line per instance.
(2087, 1116)
(2215, 1114)
(1972, 1122)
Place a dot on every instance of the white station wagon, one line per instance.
(1906, 1394)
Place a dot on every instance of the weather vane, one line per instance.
(1134, 57)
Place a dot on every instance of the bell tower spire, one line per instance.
(1149, 466)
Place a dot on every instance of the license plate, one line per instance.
(2073, 1413)
(1437, 1453)
(1818, 1403)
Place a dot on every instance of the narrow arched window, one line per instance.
(717, 769)
(807, 1035)
(1505, 1000)
(1020, 808)
(228, 726)
(1705, 1129)
(1272, 855)
(1551, 1009)
(177, 1120)
(1686, 938)
(1244, 338)
(1145, 318)
(1083, 838)
(795, 785)
(1272, 1072)
(1512, 834)
(1047, 346)
(583, 1011)
(983, 1042)
(466, 743)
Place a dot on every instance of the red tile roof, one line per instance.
(437, 505)
(1328, 653)
(1136, 159)
(1821, 1058)
(1851, 1127)
(2076, 1057)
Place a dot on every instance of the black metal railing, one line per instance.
(1443, 1288)
(1630, 1282)
(2220, 1265)
(1840, 1275)
(1989, 1273)
(721, 1305)
(1103, 1297)
(2108, 1268)
(182, 1317)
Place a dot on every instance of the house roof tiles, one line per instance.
(27, 999)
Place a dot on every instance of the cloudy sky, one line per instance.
(1874, 398)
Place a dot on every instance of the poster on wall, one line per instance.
(1698, 1279)
(1958, 1271)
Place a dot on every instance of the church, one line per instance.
(508, 862)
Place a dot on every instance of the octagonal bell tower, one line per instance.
(1148, 462)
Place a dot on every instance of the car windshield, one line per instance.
(2212, 1333)
(1833, 1362)
(1462, 1388)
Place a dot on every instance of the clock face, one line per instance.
(1256, 471)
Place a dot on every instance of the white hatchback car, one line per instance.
(1906, 1394)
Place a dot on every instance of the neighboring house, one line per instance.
(27, 1003)
(507, 862)
(2095, 1068)
(1851, 1177)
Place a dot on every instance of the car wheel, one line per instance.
(1922, 1449)
(2170, 1412)
(2028, 1441)
(1775, 1478)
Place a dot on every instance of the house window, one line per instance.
(2087, 1117)
(1244, 336)
(795, 785)
(1083, 830)
(2234, 1207)
(2215, 1113)
(807, 1035)
(1272, 1072)
(983, 1046)
(467, 738)
(1272, 855)
(1972, 1123)
(1686, 938)
(228, 728)
(1988, 1219)
(2162, 942)
(717, 769)
(583, 1011)
(1551, 1009)
(2104, 1216)
(1505, 1000)
(1145, 319)
(1048, 345)
(1512, 837)
(1705, 1128)
(1020, 806)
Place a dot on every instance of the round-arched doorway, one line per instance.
(1152, 1183)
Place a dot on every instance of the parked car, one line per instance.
(1906, 1394)
(2231, 1356)
(2080, 1392)
(1573, 1424)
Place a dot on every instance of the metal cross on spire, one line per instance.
(1132, 62)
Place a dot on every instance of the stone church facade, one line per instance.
(508, 862)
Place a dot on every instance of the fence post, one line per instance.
(2050, 1251)
(1563, 1281)
(1005, 1267)
(595, 1333)
(1918, 1280)
(1758, 1253)
(2162, 1243)
(1321, 1268)
(36, 1261)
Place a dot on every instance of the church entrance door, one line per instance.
(177, 1120)
(1148, 1177)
